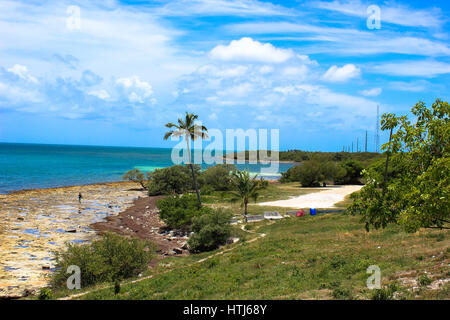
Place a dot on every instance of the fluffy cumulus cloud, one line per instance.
(247, 49)
(275, 94)
(83, 96)
(136, 89)
(342, 74)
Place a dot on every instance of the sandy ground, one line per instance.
(326, 198)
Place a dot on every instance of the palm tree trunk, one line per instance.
(194, 178)
(245, 211)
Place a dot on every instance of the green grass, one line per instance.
(299, 258)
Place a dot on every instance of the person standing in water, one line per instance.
(79, 197)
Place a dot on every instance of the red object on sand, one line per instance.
(300, 213)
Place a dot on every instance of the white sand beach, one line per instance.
(325, 198)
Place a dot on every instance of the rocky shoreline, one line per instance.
(35, 223)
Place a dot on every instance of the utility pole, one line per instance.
(365, 147)
(357, 144)
(352, 146)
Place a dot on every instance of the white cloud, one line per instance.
(371, 92)
(101, 94)
(390, 13)
(22, 72)
(425, 68)
(136, 89)
(247, 49)
(342, 74)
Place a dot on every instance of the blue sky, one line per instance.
(312, 69)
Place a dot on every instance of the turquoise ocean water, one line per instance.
(31, 166)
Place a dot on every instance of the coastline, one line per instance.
(34, 223)
(111, 183)
(257, 161)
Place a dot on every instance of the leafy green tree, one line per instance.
(217, 177)
(170, 180)
(352, 171)
(416, 192)
(245, 188)
(137, 176)
(190, 131)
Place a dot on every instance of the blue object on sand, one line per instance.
(312, 211)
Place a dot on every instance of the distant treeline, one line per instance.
(300, 156)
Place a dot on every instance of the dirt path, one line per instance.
(324, 199)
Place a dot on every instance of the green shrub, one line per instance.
(206, 190)
(217, 177)
(210, 231)
(342, 294)
(175, 179)
(178, 211)
(111, 258)
(45, 294)
(424, 280)
(386, 293)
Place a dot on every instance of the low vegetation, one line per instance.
(210, 231)
(178, 212)
(111, 258)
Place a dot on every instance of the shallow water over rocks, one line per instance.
(34, 223)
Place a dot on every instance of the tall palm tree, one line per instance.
(245, 188)
(190, 131)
